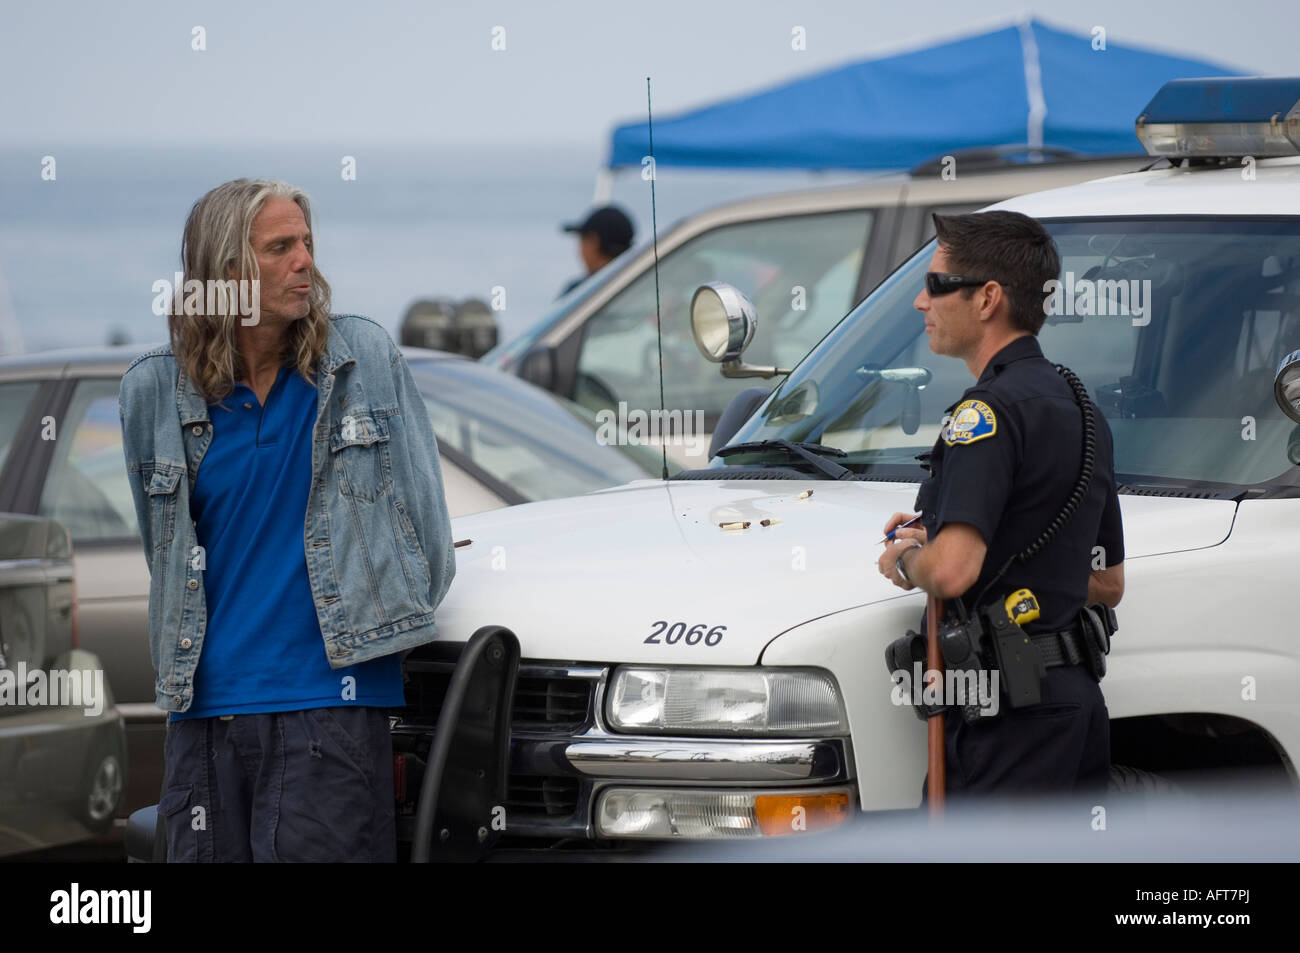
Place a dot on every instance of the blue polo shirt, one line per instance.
(263, 650)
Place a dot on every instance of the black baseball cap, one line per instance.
(610, 224)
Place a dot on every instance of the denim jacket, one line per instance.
(376, 535)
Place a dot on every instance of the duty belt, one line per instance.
(1060, 648)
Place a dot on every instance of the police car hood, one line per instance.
(604, 577)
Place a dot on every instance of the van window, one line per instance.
(14, 399)
(87, 489)
(800, 271)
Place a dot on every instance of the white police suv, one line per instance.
(702, 656)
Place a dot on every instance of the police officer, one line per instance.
(1005, 464)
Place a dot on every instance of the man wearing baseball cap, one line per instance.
(602, 236)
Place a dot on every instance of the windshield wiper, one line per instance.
(1206, 489)
(808, 452)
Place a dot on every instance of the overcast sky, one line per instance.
(341, 70)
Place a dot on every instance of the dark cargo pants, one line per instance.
(310, 785)
(1058, 747)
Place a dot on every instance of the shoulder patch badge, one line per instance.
(971, 420)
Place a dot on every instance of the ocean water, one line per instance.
(79, 254)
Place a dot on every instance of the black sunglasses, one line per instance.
(942, 283)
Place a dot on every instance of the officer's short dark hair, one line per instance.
(1009, 248)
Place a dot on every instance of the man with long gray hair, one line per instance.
(289, 492)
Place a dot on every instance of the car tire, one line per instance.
(1137, 782)
(102, 785)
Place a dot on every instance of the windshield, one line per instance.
(509, 353)
(1174, 325)
(539, 445)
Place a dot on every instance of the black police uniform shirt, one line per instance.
(1006, 464)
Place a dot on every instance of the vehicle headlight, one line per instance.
(749, 701)
(681, 813)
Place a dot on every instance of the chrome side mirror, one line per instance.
(538, 366)
(1286, 385)
(723, 322)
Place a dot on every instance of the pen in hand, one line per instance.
(890, 534)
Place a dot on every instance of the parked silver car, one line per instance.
(62, 744)
(501, 441)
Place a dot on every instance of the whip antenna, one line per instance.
(654, 233)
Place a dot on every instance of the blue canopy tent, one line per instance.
(1024, 84)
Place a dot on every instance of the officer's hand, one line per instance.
(895, 520)
(888, 564)
(915, 531)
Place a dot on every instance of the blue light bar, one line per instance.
(1223, 117)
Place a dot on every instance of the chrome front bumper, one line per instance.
(706, 759)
